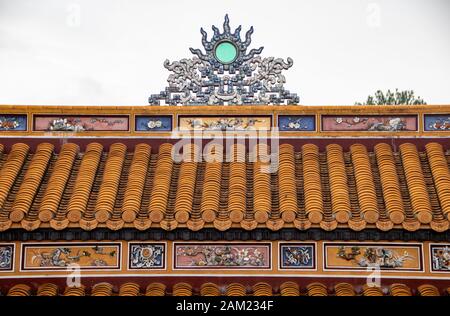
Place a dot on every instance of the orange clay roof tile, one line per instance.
(354, 189)
(288, 288)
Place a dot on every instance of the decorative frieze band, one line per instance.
(319, 122)
(278, 257)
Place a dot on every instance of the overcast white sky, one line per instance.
(110, 52)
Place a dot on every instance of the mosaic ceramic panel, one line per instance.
(224, 123)
(146, 256)
(440, 258)
(13, 122)
(6, 257)
(80, 123)
(145, 123)
(222, 256)
(297, 123)
(297, 256)
(360, 256)
(92, 256)
(437, 122)
(372, 123)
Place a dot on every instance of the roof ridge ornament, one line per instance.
(225, 74)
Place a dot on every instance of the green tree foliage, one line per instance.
(393, 98)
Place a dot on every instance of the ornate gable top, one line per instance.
(226, 74)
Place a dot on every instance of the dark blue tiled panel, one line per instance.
(297, 123)
(146, 256)
(153, 123)
(437, 122)
(6, 257)
(297, 256)
(440, 258)
(13, 122)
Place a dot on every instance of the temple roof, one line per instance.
(145, 188)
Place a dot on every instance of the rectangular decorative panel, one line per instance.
(6, 257)
(143, 256)
(222, 256)
(439, 122)
(80, 123)
(297, 123)
(440, 257)
(297, 256)
(59, 256)
(13, 122)
(372, 123)
(360, 256)
(224, 123)
(146, 123)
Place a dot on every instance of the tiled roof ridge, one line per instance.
(356, 189)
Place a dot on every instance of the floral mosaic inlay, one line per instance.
(146, 256)
(6, 257)
(376, 123)
(440, 258)
(437, 122)
(297, 123)
(13, 122)
(219, 256)
(384, 256)
(237, 123)
(83, 123)
(86, 256)
(153, 123)
(297, 256)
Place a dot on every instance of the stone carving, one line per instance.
(226, 74)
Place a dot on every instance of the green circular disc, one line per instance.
(225, 52)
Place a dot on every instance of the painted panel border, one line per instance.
(81, 123)
(439, 258)
(58, 256)
(221, 123)
(147, 256)
(222, 256)
(13, 122)
(7, 257)
(369, 123)
(374, 253)
(297, 123)
(153, 123)
(302, 258)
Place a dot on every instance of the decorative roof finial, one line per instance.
(226, 74)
